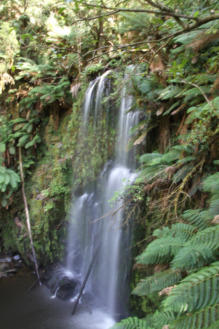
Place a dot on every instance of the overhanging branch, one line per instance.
(141, 10)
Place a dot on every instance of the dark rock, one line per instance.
(60, 284)
(67, 288)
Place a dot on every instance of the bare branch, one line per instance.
(141, 10)
(95, 17)
(194, 26)
(159, 6)
(117, 47)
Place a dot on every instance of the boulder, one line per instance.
(67, 288)
(61, 284)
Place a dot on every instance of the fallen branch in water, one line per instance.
(85, 281)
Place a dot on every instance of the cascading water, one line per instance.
(100, 84)
(96, 223)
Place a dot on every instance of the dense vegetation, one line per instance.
(49, 52)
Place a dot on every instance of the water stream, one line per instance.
(96, 222)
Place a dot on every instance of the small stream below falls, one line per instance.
(37, 310)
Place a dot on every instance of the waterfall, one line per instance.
(100, 83)
(96, 222)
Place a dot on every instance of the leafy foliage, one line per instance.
(157, 282)
(131, 323)
(191, 280)
(49, 47)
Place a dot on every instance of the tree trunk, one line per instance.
(28, 216)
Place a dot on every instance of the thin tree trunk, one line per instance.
(28, 216)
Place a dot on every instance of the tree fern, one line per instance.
(181, 230)
(168, 244)
(161, 250)
(150, 159)
(205, 318)
(192, 257)
(160, 319)
(196, 291)
(157, 282)
(199, 251)
(191, 246)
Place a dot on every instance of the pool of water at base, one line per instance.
(35, 309)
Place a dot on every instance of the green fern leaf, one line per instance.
(196, 291)
(181, 230)
(211, 183)
(131, 323)
(157, 282)
(199, 250)
(151, 158)
(160, 319)
(206, 318)
(161, 250)
(214, 205)
(198, 217)
(209, 237)
(192, 257)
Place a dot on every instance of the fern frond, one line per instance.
(160, 319)
(151, 159)
(168, 244)
(170, 92)
(211, 183)
(181, 230)
(157, 282)
(209, 237)
(162, 233)
(199, 250)
(206, 318)
(171, 156)
(214, 205)
(194, 92)
(131, 323)
(196, 291)
(198, 217)
(150, 173)
(161, 250)
(192, 257)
